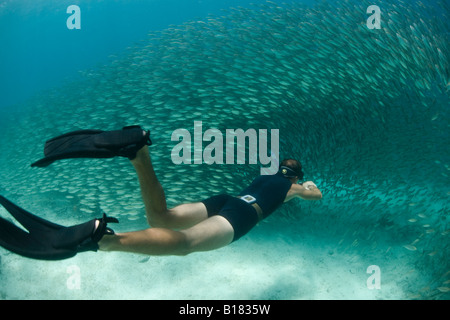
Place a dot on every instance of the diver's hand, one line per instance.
(307, 191)
(309, 185)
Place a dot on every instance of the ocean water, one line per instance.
(365, 110)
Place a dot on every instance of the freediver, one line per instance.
(192, 227)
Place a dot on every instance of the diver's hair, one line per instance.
(294, 165)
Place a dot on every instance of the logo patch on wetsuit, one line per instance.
(248, 198)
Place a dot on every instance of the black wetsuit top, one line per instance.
(269, 191)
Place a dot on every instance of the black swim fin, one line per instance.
(46, 240)
(95, 144)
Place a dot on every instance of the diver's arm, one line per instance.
(307, 191)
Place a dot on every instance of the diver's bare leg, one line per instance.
(158, 215)
(151, 189)
(212, 233)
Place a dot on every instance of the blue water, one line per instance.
(374, 143)
(39, 51)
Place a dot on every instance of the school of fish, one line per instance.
(365, 110)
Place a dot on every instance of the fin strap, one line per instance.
(91, 243)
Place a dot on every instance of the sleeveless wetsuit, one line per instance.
(269, 191)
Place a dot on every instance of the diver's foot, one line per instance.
(132, 150)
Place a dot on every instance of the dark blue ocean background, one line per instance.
(367, 113)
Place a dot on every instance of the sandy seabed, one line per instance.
(292, 267)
